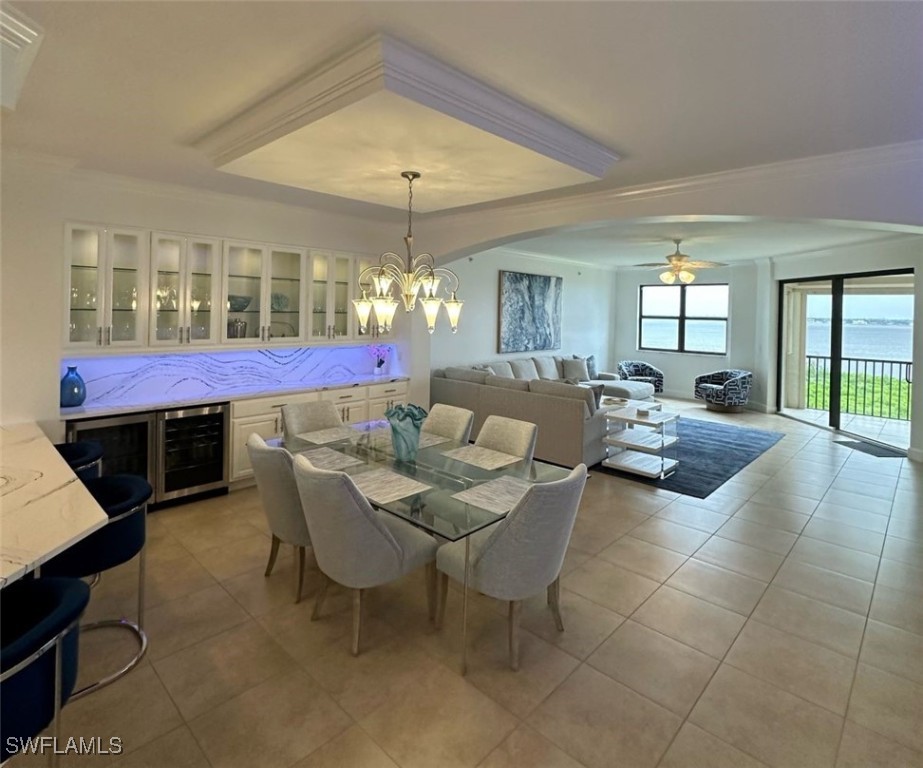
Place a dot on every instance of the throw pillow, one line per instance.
(591, 369)
(576, 369)
(486, 368)
(598, 392)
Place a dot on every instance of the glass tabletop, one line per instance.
(434, 509)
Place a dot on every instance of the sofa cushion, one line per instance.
(502, 368)
(546, 367)
(466, 374)
(559, 364)
(565, 390)
(501, 381)
(632, 390)
(524, 369)
(576, 369)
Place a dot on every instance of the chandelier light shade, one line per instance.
(415, 277)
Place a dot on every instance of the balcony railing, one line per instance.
(869, 387)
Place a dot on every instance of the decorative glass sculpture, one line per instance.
(73, 389)
(406, 421)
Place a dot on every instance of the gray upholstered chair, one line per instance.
(355, 545)
(272, 468)
(521, 555)
(449, 421)
(517, 438)
(309, 417)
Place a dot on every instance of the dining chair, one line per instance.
(449, 421)
(309, 417)
(358, 546)
(275, 481)
(521, 555)
(511, 436)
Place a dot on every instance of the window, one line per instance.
(684, 318)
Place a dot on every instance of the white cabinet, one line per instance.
(262, 415)
(106, 286)
(385, 396)
(185, 283)
(264, 290)
(352, 403)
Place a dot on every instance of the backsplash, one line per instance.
(161, 379)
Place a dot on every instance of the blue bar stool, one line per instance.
(38, 659)
(124, 499)
(85, 457)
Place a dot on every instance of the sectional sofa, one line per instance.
(570, 423)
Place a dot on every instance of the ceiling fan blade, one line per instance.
(652, 265)
(703, 264)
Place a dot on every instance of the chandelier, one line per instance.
(412, 275)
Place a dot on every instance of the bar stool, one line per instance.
(85, 457)
(38, 659)
(124, 499)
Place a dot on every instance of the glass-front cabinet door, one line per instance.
(184, 277)
(244, 265)
(331, 295)
(287, 271)
(107, 280)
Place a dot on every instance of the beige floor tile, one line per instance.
(693, 517)
(351, 749)
(603, 724)
(806, 490)
(720, 502)
(237, 557)
(610, 586)
(105, 650)
(819, 622)
(897, 608)
(855, 500)
(137, 709)
(751, 715)
(888, 704)
(695, 748)
(756, 535)
(894, 650)
(719, 586)
(202, 529)
(593, 534)
(858, 518)
(691, 620)
(862, 748)
(656, 666)
(209, 673)
(259, 594)
(907, 528)
(827, 586)
(773, 517)
(586, 624)
(573, 559)
(526, 747)
(183, 622)
(663, 533)
(177, 749)
(274, 724)
(907, 505)
(780, 498)
(859, 483)
(844, 535)
(443, 721)
(740, 558)
(898, 575)
(794, 665)
(833, 557)
(642, 557)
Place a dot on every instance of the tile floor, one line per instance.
(778, 622)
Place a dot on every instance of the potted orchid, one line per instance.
(379, 353)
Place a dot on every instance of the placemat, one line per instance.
(327, 458)
(331, 435)
(485, 458)
(383, 485)
(499, 495)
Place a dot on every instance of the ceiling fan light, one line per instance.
(686, 277)
(668, 277)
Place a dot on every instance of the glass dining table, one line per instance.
(451, 490)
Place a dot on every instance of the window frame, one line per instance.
(681, 321)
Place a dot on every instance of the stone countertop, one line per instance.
(98, 411)
(44, 507)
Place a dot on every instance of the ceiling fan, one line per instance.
(680, 267)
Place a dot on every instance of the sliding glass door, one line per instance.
(845, 354)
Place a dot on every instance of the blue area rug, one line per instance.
(709, 454)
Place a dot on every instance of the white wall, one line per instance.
(586, 326)
(37, 199)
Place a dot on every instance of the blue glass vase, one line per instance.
(405, 421)
(73, 388)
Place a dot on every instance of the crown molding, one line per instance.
(385, 63)
(20, 39)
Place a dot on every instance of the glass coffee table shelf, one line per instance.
(641, 439)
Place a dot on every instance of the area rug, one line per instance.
(873, 449)
(709, 454)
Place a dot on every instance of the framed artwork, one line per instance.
(530, 312)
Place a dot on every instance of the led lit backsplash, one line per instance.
(161, 379)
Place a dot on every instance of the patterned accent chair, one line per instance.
(636, 370)
(724, 390)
